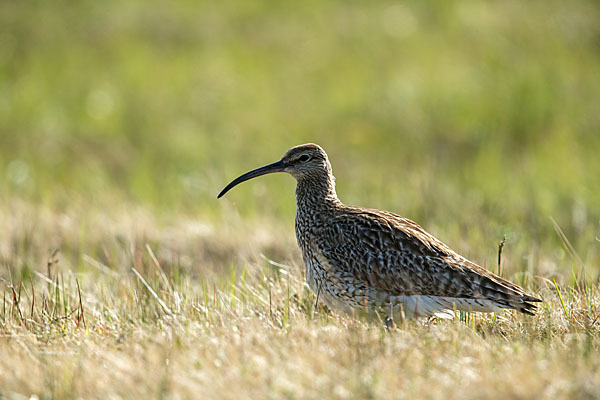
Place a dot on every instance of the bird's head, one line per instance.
(303, 161)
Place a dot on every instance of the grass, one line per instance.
(122, 276)
(162, 313)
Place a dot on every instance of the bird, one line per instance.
(374, 261)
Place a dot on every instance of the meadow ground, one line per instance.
(122, 276)
(211, 315)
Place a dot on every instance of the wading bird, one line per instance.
(371, 260)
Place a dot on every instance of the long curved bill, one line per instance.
(267, 169)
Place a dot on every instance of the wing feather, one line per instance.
(395, 255)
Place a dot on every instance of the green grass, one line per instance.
(121, 121)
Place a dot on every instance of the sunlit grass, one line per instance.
(122, 275)
(236, 323)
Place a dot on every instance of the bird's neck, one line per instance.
(316, 192)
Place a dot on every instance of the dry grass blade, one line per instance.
(568, 246)
(152, 292)
(159, 269)
(81, 316)
(500, 248)
(98, 265)
(15, 300)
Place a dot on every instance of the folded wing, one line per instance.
(394, 255)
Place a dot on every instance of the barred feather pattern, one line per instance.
(366, 259)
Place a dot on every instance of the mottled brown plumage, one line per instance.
(366, 259)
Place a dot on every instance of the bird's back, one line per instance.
(378, 258)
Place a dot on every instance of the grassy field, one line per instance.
(123, 276)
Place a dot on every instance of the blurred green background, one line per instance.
(463, 115)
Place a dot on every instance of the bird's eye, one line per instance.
(304, 158)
